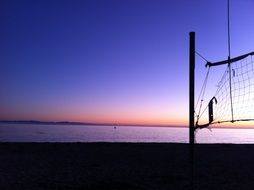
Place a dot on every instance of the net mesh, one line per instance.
(242, 92)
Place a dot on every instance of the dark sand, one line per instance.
(124, 166)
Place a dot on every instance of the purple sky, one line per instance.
(111, 61)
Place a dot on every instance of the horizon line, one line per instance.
(112, 124)
(89, 123)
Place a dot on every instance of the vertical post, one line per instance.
(191, 87)
(191, 107)
(229, 66)
(230, 89)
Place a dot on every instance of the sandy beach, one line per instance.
(124, 166)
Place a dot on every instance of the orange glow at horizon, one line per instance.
(132, 112)
(126, 118)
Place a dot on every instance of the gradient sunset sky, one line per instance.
(116, 61)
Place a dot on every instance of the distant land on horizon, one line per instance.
(35, 122)
(78, 123)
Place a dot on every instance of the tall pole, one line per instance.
(229, 68)
(191, 88)
(191, 107)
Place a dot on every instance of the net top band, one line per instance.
(228, 61)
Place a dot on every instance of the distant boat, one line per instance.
(114, 127)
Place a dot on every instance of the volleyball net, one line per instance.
(233, 100)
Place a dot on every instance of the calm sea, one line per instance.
(86, 133)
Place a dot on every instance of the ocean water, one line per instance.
(86, 133)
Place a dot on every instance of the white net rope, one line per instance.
(242, 91)
(242, 85)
